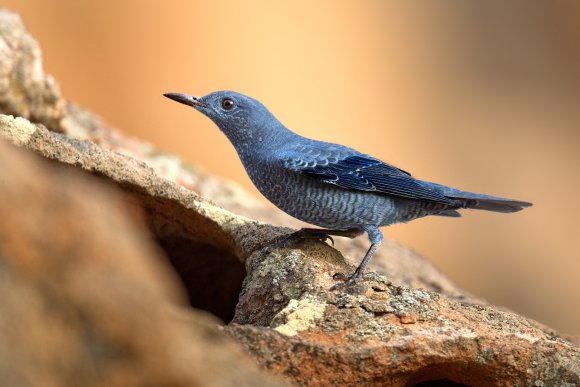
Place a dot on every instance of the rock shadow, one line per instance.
(212, 276)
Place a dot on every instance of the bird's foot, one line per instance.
(308, 234)
(347, 280)
(320, 234)
(300, 235)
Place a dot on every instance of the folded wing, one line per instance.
(355, 171)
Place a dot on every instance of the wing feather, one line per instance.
(360, 172)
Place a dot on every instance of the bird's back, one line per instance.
(317, 202)
(331, 185)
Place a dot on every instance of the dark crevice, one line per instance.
(439, 383)
(212, 276)
(453, 375)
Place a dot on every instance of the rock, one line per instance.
(25, 90)
(206, 244)
(87, 299)
(285, 315)
(378, 333)
(408, 325)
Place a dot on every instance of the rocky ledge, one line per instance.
(113, 261)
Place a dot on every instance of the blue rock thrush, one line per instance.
(330, 185)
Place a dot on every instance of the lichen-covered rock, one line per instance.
(379, 333)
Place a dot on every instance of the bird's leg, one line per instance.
(376, 238)
(357, 273)
(320, 234)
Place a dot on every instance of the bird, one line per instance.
(344, 192)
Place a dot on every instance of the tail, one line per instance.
(479, 201)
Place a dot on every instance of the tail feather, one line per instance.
(497, 205)
(480, 201)
(449, 213)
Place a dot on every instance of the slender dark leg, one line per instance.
(376, 238)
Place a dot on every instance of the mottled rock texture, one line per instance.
(83, 275)
(25, 90)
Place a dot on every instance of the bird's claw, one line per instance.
(326, 237)
(348, 280)
(300, 235)
(340, 276)
(288, 239)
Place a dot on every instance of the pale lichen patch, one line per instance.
(278, 266)
(16, 130)
(299, 315)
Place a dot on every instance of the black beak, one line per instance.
(185, 99)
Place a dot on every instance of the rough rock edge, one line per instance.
(225, 228)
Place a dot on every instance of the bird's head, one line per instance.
(244, 120)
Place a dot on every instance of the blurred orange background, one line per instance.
(482, 96)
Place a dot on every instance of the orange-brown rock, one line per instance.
(87, 299)
(405, 326)
(379, 333)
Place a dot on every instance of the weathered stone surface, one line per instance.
(378, 333)
(386, 330)
(87, 299)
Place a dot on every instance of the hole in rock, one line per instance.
(439, 383)
(212, 276)
(460, 373)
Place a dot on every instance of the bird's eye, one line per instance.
(227, 104)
